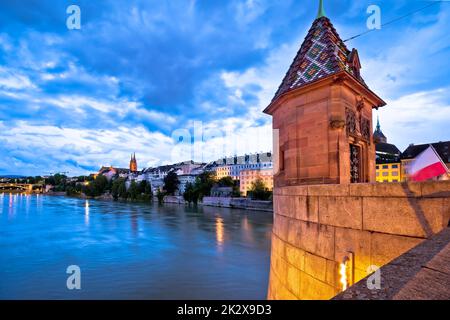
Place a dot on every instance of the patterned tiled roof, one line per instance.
(322, 53)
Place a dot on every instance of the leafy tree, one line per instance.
(230, 183)
(204, 183)
(171, 183)
(133, 191)
(148, 190)
(141, 187)
(145, 190)
(122, 190)
(97, 187)
(190, 194)
(160, 195)
(226, 182)
(115, 188)
(119, 189)
(258, 190)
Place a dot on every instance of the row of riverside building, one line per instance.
(244, 169)
(392, 164)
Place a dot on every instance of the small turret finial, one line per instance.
(321, 12)
(378, 123)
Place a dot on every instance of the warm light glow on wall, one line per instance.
(343, 275)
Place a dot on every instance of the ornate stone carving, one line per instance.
(360, 104)
(337, 123)
(365, 128)
(350, 121)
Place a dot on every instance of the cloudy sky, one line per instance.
(153, 76)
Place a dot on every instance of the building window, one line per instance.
(395, 174)
(385, 174)
(395, 166)
(355, 164)
(281, 160)
(385, 166)
(378, 167)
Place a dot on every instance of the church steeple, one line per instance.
(133, 163)
(378, 136)
(321, 13)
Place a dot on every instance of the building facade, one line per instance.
(388, 164)
(184, 180)
(389, 172)
(234, 170)
(249, 176)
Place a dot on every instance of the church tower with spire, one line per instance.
(322, 114)
(133, 163)
(378, 136)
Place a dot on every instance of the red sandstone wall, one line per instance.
(312, 151)
(316, 226)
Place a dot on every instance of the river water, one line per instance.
(130, 250)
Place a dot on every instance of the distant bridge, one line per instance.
(21, 187)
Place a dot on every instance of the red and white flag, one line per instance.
(427, 165)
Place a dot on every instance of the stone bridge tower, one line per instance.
(322, 114)
(330, 230)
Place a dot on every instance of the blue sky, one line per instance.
(140, 74)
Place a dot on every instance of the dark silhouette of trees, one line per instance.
(171, 183)
(259, 191)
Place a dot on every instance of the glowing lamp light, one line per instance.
(343, 275)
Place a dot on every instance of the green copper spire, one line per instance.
(321, 12)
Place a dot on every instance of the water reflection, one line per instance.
(10, 206)
(132, 251)
(86, 213)
(219, 232)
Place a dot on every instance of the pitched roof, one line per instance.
(251, 158)
(322, 53)
(442, 148)
(387, 153)
(387, 148)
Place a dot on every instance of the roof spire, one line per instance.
(378, 123)
(321, 13)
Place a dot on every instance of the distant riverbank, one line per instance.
(227, 202)
(221, 202)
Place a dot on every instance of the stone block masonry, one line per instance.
(315, 227)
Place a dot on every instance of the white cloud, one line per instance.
(421, 117)
(86, 147)
(13, 79)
